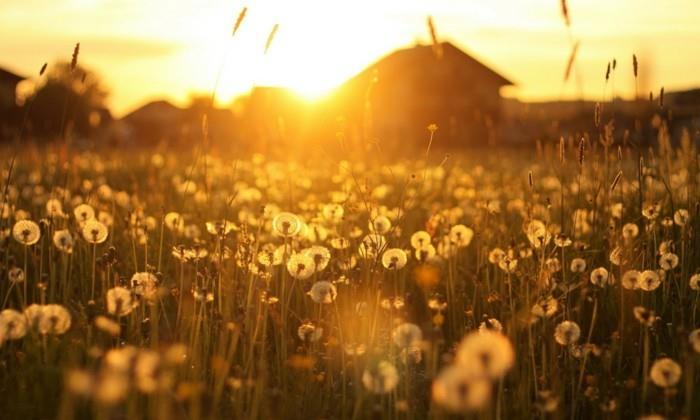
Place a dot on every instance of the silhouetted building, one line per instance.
(9, 111)
(404, 92)
(8, 89)
(162, 122)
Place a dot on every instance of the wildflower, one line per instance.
(286, 224)
(16, 275)
(566, 333)
(120, 301)
(320, 255)
(13, 325)
(145, 285)
(381, 378)
(665, 372)
(83, 213)
(578, 265)
(644, 316)
(562, 241)
(63, 240)
(490, 325)
(174, 222)
(437, 304)
(323, 292)
(427, 252)
(55, 319)
(394, 259)
(668, 261)
(496, 255)
(508, 264)
(681, 217)
(95, 232)
(54, 208)
(694, 282)
(651, 211)
(537, 233)
(459, 390)
(649, 280)
(631, 279)
(407, 335)
(491, 353)
(380, 225)
(301, 266)
(461, 235)
(420, 239)
(309, 332)
(630, 231)
(26, 232)
(545, 308)
(600, 276)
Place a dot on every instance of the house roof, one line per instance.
(160, 108)
(421, 55)
(8, 76)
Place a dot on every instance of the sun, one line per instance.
(310, 56)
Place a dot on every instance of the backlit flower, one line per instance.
(600, 276)
(286, 224)
(394, 259)
(665, 372)
(63, 240)
(491, 353)
(94, 232)
(120, 301)
(323, 292)
(26, 232)
(301, 266)
(13, 325)
(649, 280)
(461, 235)
(631, 279)
(567, 332)
(458, 390)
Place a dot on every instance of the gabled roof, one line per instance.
(8, 76)
(149, 110)
(422, 55)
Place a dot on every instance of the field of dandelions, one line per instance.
(561, 283)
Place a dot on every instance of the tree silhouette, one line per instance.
(68, 100)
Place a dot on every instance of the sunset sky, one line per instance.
(168, 48)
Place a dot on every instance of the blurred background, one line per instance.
(484, 72)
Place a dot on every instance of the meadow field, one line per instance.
(557, 282)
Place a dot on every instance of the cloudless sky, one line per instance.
(148, 49)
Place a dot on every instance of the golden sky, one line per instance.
(148, 49)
